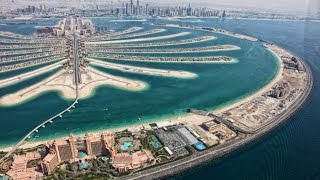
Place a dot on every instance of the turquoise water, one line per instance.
(217, 85)
(126, 145)
(81, 154)
(291, 151)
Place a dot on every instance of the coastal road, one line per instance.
(204, 156)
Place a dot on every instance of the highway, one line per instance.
(170, 168)
(77, 73)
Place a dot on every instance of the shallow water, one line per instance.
(290, 151)
(217, 85)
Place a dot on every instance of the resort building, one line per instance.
(74, 149)
(124, 161)
(19, 170)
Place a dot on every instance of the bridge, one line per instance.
(77, 81)
(36, 129)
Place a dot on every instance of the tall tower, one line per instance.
(147, 9)
(131, 7)
(123, 9)
(138, 8)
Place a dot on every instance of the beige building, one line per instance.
(68, 149)
(19, 170)
(221, 131)
(124, 161)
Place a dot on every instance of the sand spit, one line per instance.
(31, 63)
(212, 59)
(93, 78)
(172, 50)
(154, 44)
(141, 39)
(13, 35)
(142, 70)
(62, 82)
(21, 77)
(57, 82)
(107, 38)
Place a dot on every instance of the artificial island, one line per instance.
(76, 50)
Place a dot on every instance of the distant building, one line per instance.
(45, 30)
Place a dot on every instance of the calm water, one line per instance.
(288, 152)
(291, 151)
(216, 85)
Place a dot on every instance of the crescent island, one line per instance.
(78, 60)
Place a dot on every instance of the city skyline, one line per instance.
(283, 6)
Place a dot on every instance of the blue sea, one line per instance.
(290, 151)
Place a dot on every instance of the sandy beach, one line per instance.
(62, 82)
(142, 70)
(28, 75)
(186, 119)
(141, 39)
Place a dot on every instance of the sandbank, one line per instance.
(142, 70)
(141, 39)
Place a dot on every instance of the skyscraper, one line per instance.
(147, 9)
(127, 9)
(189, 10)
(123, 10)
(138, 8)
(131, 7)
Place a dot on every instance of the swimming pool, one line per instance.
(81, 154)
(199, 146)
(125, 146)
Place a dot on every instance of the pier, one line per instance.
(36, 129)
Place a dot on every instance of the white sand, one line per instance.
(142, 70)
(63, 83)
(142, 39)
(188, 118)
(28, 75)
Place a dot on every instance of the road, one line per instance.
(200, 157)
(77, 80)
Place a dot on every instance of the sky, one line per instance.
(302, 6)
(276, 5)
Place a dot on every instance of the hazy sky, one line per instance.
(306, 6)
(277, 5)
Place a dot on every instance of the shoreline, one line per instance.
(174, 119)
(198, 158)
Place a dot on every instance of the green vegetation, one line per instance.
(152, 143)
(33, 163)
(2, 154)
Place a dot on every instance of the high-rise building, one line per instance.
(147, 9)
(127, 9)
(138, 8)
(123, 11)
(189, 10)
(131, 7)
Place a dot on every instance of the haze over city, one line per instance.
(291, 6)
